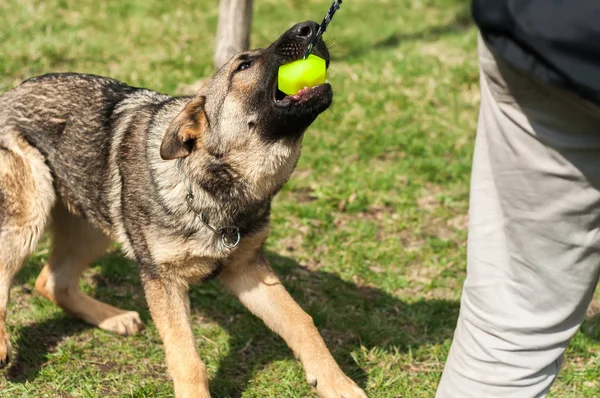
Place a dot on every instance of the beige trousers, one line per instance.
(534, 236)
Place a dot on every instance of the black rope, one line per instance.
(328, 17)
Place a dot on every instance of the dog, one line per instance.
(184, 184)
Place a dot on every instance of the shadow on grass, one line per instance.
(591, 327)
(36, 341)
(349, 317)
(460, 23)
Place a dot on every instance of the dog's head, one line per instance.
(240, 125)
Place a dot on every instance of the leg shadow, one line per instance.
(36, 341)
(116, 284)
(349, 317)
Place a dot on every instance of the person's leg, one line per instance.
(534, 236)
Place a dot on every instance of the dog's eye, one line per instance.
(243, 66)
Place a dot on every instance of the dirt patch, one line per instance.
(305, 195)
(593, 309)
(429, 199)
(379, 213)
(291, 243)
(301, 174)
(448, 55)
(460, 222)
(438, 228)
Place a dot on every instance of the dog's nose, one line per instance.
(306, 30)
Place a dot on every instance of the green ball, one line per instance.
(308, 72)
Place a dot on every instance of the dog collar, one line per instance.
(230, 236)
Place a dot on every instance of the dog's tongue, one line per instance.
(298, 96)
(301, 95)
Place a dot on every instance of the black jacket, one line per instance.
(556, 40)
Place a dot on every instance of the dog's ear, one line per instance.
(187, 127)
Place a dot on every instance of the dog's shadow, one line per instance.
(350, 318)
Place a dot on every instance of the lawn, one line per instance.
(369, 234)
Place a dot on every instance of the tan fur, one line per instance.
(253, 281)
(75, 245)
(267, 166)
(26, 199)
(188, 264)
(170, 308)
(190, 124)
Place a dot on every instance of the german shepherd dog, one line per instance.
(183, 184)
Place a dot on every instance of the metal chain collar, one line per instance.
(230, 236)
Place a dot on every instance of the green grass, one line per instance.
(369, 235)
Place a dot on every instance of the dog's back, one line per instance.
(43, 107)
(70, 119)
(55, 137)
(67, 117)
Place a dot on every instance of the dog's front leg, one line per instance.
(253, 281)
(170, 309)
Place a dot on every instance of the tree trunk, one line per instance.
(233, 31)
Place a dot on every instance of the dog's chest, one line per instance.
(192, 258)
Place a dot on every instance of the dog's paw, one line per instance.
(189, 390)
(5, 348)
(335, 384)
(125, 324)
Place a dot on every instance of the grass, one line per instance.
(369, 235)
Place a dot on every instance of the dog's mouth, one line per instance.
(293, 113)
(305, 95)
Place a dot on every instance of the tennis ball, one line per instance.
(308, 72)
